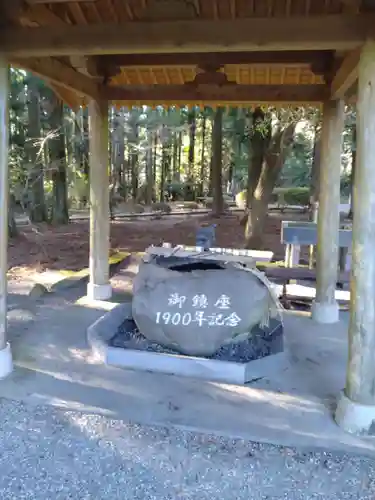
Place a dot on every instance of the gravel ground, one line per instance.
(51, 454)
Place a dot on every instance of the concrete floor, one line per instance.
(55, 367)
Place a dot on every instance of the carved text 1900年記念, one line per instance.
(222, 316)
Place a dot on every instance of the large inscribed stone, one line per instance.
(196, 306)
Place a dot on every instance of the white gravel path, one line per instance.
(51, 454)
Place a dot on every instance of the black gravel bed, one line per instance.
(261, 343)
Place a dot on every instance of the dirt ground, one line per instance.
(42, 247)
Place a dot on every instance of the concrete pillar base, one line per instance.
(99, 292)
(325, 313)
(6, 362)
(355, 418)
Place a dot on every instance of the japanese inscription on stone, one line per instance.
(222, 315)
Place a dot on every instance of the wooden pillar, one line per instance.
(6, 365)
(356, 408)
(325, 308)
(99, 287)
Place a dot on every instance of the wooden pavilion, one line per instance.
(215, 52)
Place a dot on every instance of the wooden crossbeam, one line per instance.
(57, 72)
(225, 93)
(38, 2)
(297, 57)
(351, 3)
(330, 32)
(346, 75)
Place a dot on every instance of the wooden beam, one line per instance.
(38, 2)
(225, 93)
(70, 98)
(297, 57)
(87, 66)
(55, 71)
(346, 75)
(330, 32)
(351, 3)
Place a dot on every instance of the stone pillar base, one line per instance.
(325, 313)
(355, 418)
(99, 292)
(6, 362)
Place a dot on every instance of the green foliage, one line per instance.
(292, 195)
(297, 167)
(345, 184)
(241, 199)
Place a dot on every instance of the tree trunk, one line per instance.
(192, 128)
(271, 168)
(230, 177)
(258, 145)
(85, 166)
(315, 174)
(134, 174)
(235, 154)
(149, 171)
(134, 158)
(211, 177)
(178, 171)
(12, 226)
(154, 157)
(37, 206)
(163, 172)
(217, 133)
(60, 212)
(119, 154)
(174, 156)
(352, 173)
(203, 165)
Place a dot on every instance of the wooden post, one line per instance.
(99, 287)
(6, 365)
(325, 308)
(356, 408)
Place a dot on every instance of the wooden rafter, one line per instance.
(57, 72)
(333, 32)
(44, 16)
(41, 15)
(212, 93)
(346, 75)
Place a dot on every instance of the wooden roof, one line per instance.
(122, 11)
(227, 52)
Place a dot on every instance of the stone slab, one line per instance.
(199, 368)
(100, 333)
